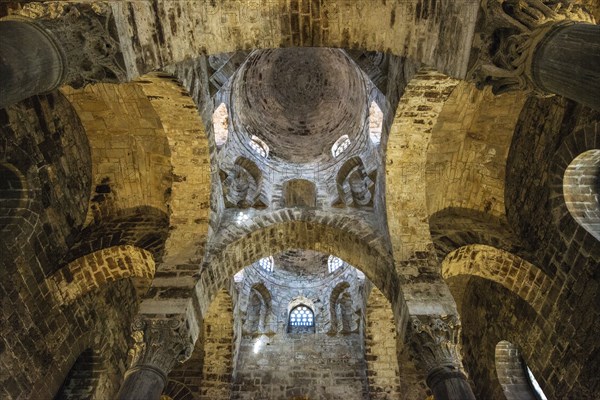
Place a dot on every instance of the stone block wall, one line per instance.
(288, 366)
(325, 363)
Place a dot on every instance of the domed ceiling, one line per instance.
(299, 101)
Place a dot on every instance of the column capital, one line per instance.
(512, 30)
(433, 340)
(86, 36)
(159, 343)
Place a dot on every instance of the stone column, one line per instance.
(567, 62)
(31, 61)
(158, 345)
(546, 47)
(433, 341)
(66, 44)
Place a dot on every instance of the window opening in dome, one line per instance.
(340, 145)
(375, 122)
(266, 263)
(333, 263)
(259, 146)
(239, 276)
(302, 316)
(221, 124)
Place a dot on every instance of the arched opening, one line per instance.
(14, 196)
(82, 380)
(515, 377)
(221, 125)
(340, 146)
(13, 188)
(333, 263)
(375, 122)
(266, 263)
(581, 189)
(301, 320)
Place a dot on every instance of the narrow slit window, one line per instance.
(375, 122)
(221, 125)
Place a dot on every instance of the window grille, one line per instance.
(266, 264)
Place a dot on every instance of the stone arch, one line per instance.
(354, 186)
(143, 227)
(242, 187)
(189, 200)
(467, 153)
(102, 267)
(493, 313)
(409, 136)
(283, 230)
(218, 345)
(511, 372)
(45, 148)
(16, 202)
(514, 273)
(452, 228)
(336, 314)
(169, 169)
(129, 149)
(82, 379)
(581, 143)
(259, 312)
(581, 190)
(175, 390)
(559, 130)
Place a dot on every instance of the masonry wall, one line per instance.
(44, 142)
(301, 366)
(274, 364)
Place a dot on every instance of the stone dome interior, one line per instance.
(299, 101)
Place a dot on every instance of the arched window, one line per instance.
(221, 124)
(266, 263)
(333, 263)
(340, 145)
(581, 189)
(514, 375)
(375, 122)
(259, 146)
(302, 320)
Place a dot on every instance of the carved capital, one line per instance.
(87, 36)
(158, 344)
(433, 340)
(512, 31)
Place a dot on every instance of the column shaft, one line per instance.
(567, 62)
(447, 383)
(142, 384)
(30, 61)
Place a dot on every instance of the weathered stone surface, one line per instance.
(462, 203)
